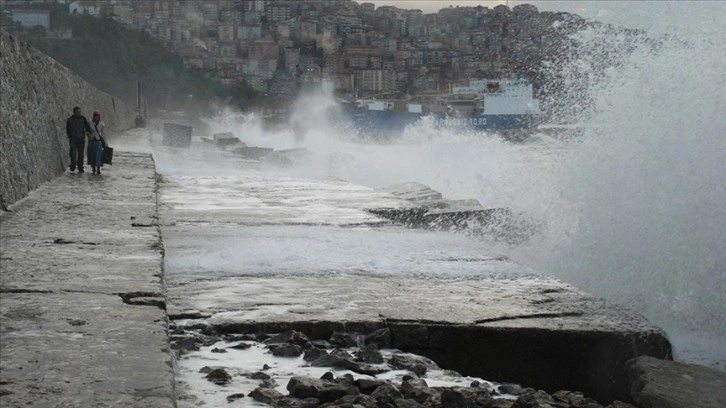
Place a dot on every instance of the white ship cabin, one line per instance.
(384, 105)
(500, 97)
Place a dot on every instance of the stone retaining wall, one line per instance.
(38, 95)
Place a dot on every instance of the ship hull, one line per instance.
(371, 121)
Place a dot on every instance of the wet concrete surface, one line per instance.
(249, 252)
(530, 330)
(83, 311)
(82, 319)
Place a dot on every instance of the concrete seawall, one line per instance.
(38, 95)
(82, 305)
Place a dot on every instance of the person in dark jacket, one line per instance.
(77, 127)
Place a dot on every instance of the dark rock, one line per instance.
(219, 376)
(292, 402)
(304, 387)
(417, 390)
(338, 358)
(419, 369)
(621, 404)
(187, 344)
(292, 337)
(266, 395)
(459, 397)
(314, 354)
(369, 355)
(259, 375)
(511, 389)
(575, 399)
(330, 393)
(361, 368)
(534, 399)
(208, 330)
(346, 378)
(218, 350)
(387, 393)
(207, 340)
(669, 384)
(328, 376)
(501, 403)
(367, 386)
(241, 346)
(325, 360)
(407, 403)
(321, 344)
(380, 338)
(344, 339)
(268, 383)
(234, 397)
(239, 337)
(286, 350)
(412, 363)
(341, 354)
(357, 401)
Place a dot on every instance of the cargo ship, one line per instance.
(483, 105)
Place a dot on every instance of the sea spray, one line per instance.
(644, 192)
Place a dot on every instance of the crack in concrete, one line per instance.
(65, 242)
(531, 316)
(20, 290)
(155, 299)
(139, 224)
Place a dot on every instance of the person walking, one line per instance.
(76, 128)
(96, 143)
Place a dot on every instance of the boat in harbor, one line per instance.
(483, 105)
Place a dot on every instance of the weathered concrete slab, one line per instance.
(532, 302)
(248, 253)
(83, 349)
(269, 201)
(531, 330)
(82, 319)
(431, 211)
(667, 384)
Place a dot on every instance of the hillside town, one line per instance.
(354, 48)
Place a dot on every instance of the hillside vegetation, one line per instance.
(114, 58)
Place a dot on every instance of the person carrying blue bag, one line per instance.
(96, 143)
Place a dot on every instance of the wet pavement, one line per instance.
(82, 319)
(84, 303)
